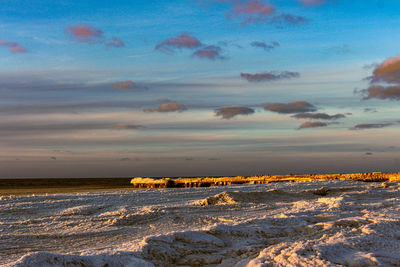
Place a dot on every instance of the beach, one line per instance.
(326, 223)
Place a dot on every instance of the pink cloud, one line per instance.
(388, 71)
(167, 107)
(84, 33)
(258, 11)
(14, 47)
(183, 40)
(127, 85)
(252, 11)
(209, 52)
(232, 111)
(293, 107)
(315, 124)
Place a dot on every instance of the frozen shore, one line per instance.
(147, 182)
(320, 223)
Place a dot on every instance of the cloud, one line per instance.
(187, 41)
(232, 111)
(294, 107)
(230, 43)
(167, 107)
(284, 19)
(127, 85)
(121, 126)
(382, 92)
(264, 45)
(370, 66)
(255, 11)
(13, 47)
(315, 124)
(341, 49)
(56, 128)
(84, 33)
(318, 116)
(372, 110)
(211, 52)
(388, 73)
(115, 42)
(371, 126)
(252, 11)
(184, 40)
(269, 76)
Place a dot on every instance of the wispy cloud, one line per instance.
(364, 126)
(341, 49)
(232, 111)
(184, 40)
(372, 110)
(13, 47)
(315, 124)
(211, 52)
(293, 107)
(318, 116)
(287, 19)
(167, 107)
(266, 46)
(269, 76)
(115, 42)
(121, 126)
(164, 100)
(312, 2)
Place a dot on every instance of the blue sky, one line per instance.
(199, 87)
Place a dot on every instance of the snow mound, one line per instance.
(143, 216)
(192, 248)
(80, 210)
(245, 197)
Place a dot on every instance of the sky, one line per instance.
(198, 87)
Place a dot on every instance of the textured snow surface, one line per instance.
(324, 223)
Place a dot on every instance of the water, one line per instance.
(280, 223)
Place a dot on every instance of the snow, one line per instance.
(325, 223)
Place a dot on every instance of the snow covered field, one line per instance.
(326, 223)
